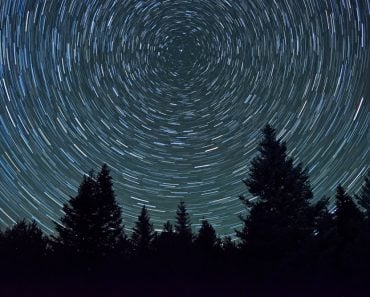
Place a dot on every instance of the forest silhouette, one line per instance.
(287, 245)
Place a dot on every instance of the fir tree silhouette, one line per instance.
(143, 234)
(347, 234)
(227, 245)
(348, 216)
(183, 242)
(168, 228)
(206, 239)
(165, 251)
(280, 222)
(207, 250)
(183, 225)
(230, 257)
(165, 240)
(23, 249)
(91, 228)
(109, 216)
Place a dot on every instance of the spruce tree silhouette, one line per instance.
(91, 227)
(109, 216)
(227, 245)
(320, 247)
(165, 251)
(183, 242)
(230, 258)
(165, 240)
(183, 225)
(23, 248)
(143, 234)
(348, 216)
(168, 228)
(207, 250)
(77, 234)
(280, 221)
(347, 231)
(206, 240)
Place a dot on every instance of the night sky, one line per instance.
(172, 95)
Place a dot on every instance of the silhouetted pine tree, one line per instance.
(229, 250)
(321, 247)
(109, 216)
(167, 228)
(280, 222)
(348, 216)
(207, 250)
(183, 225)
(77, 234)
(23, 248)
(347, 234)
(227, 244)
(165, 250)
(91, 227)
(165, 239)
(183, 242)
(143, 234)
(206, 240)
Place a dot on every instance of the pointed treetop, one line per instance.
(342, 198)
(104, 172)
(272, 172)
(25, 240)
(207, 236)
(143, 232)
(270, 142)
(348, 216)
(183, 224)
(86, 184)
(269, 131)
(345, 206)
(281, 192)
(340, 192)
(104, 181)
(92, 224)
(167, 227)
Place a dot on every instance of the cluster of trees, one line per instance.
(284, 236)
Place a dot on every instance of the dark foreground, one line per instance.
(181, 288)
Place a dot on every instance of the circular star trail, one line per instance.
(172, 95)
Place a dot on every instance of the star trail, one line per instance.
(172, 95)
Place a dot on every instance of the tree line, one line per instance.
(285, 238)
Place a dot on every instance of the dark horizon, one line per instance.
(287, 244)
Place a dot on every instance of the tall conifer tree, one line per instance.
(345, 246)
(183, 224)
(24, 242)
(109, 217)
(23, 249)
(280, 221)
(348, 217)
(206, 239)
(92, 224)
(143, 233)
